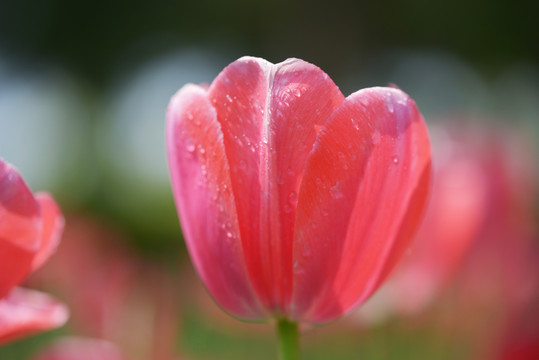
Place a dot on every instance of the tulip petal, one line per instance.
(53, 225)
(206, 205)
(361, 198)
(23, 312)
(19, 228)
(265, 111)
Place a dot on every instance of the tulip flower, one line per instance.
(295, 202)
(78, 348)
(30, 228)
(122, 299)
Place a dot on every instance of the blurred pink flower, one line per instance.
(295, 201)
(473, 253)
(75, 348)
(456, 212)
(122, 299)
(30, 229)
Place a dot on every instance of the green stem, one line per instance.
(287, 334)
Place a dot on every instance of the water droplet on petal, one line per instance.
(335, 191)
(287, 209)
(238, 140)
(229, 98)
(355, 123)
(395, 159)
(293, 198)
(190, 145)
(389, 102)
(297, 268)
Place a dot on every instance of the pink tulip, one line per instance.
(295, 201)
(75, 348)
(30, 228)
(122, 299)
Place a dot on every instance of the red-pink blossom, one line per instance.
(30, 228)
(76, 348)
(295, 201)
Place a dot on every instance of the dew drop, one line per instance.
(389, 102)
(355, 123)
(238, 141)
(189, 115)
(402, 101)
(287, 209)
(335, 191)
(229, 98)
(364, 101)
(201, 150)
(229, 234)
(297, 268)
(395, 159)
(190, 146)
(297, 92)
(293, 198)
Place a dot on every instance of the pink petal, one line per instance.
(75, 348)
(269, 115)
(361, 198)
(206, 205)
(23, 312)
(53, 224)
(19, 228)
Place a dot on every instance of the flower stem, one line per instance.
(288, 338)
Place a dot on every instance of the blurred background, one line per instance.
(83, 92)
